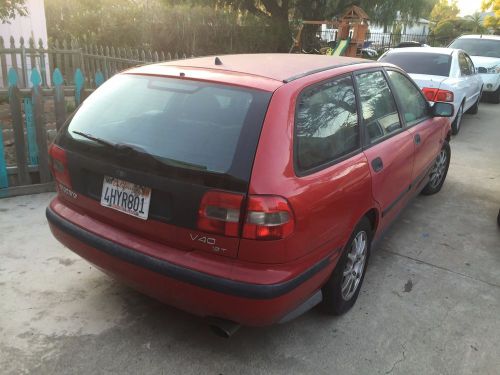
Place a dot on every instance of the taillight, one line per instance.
(436, 95)
(59, 165)
(220, 213)
(268, 218)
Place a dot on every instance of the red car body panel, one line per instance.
(255, 282)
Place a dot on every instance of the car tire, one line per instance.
(455, 125)
(475, 108)
(341, 291)
(439, 170)
(495, 96)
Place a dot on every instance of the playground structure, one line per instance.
(347, 35)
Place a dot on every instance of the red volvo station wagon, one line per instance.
(245, 188)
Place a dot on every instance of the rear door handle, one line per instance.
(417, 139)
(377, 164)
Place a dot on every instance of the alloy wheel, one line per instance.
(355, 266)
(438, 171)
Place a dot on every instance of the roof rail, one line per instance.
(319, 70)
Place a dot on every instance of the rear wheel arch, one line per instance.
(373, 216)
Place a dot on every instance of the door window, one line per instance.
(380, 114)
(414, 107)
(472, 69)
(326, 123)
(464, 66)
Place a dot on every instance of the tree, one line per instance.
(476, 23)
(9, 9)
(277, 12)
(492, 22)
(444, 10)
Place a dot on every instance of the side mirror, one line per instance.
(482, 70)
(440, 109)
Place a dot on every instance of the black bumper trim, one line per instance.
(200, 279)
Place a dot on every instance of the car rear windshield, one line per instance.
(478, 47)
(435, 64)
(181, 123)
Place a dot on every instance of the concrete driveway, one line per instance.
(430, 303)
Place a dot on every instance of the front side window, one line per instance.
(414, 107)
(380, 114)
(326, 123)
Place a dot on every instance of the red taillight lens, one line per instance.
(429, 93)
(59, 165)
(444, 96)
(436, 95)
(268, 218)
(220, 213)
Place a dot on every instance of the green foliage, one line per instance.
(444, 10)
(9, 9)
(449, 29)
(492, 22)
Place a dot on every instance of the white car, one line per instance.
(444, 75)
(484, 51)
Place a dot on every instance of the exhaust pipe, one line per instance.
(222, 327)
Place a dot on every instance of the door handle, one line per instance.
(417, 139)
(377, 164)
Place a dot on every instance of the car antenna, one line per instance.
(218, 61)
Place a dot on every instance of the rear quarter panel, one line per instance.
(326, 204)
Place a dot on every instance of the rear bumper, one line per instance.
(188, 288)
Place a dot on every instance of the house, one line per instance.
(416, 27)
(33, 25)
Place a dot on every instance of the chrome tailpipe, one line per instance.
(222, 327)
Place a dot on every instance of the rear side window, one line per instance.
(414, 106)
(435, 64)
(380, 114)
(181, 123)
(464, 65)
(326, 123)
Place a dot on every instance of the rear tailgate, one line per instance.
(183, 138)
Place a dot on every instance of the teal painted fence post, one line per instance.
(59, 101)
(79, 83)
(4, 180)
(99, 79)
(41, 132)
(23, 177)
(30, 131)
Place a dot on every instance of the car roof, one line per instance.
(480, 36)
(267, 69)
(440, 50)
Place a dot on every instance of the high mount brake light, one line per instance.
(267, 217)
(59, 165)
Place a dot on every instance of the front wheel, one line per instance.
(495, 96)
(439, 171)
(342, 289)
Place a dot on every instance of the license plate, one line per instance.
(126, 197)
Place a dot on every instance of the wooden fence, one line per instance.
(34, 104)
(29, 120)
(69, 56)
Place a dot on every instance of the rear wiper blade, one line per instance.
(137, 150)
(94, 138)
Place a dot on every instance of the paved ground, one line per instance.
(430, 303)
